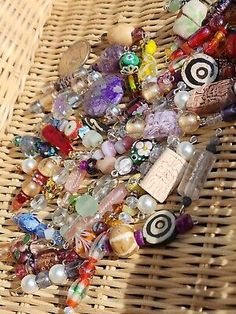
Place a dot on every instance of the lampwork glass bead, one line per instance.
(129, 58)
(30, 188)
(140, 151)
(189, 122)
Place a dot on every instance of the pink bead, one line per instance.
(120, 148)
(128, 142)
(116, 196)
(74, 180)
(98, 154)
(108, 149)
(106, 165)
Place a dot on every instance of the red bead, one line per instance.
(230, 48)
(57, 138)
(137, 34)
(19, 200)
(176, 54)
(39, 178)
(217, 22)
(65, 256)
(21, 271)
(87, 269)
(186, 49)
(133, 108)
(198, 38)
(128, 142)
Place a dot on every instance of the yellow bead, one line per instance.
(151, 47)
(122, 241)
(131, 211)
(189, 122)
(135, 127)
(133, 184)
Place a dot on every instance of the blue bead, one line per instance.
(26, 222)
(57, 238)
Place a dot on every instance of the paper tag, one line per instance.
(164, 175)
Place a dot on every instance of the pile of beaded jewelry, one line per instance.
(118, 123)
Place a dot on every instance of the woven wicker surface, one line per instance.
(21, 24)
(195, 273)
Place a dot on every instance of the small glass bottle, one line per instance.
(197, 170)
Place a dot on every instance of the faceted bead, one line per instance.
(42, 279)
(57, 138)
(38, 203)
(45, 149)
(91, 168)
(61, 109)
(71, 269)
(59, 216)
(231, 45)
(183, 223)
(104, 93)
(30, 188)
(109, 59)
(122, 241)
(28, 146)
(60, 176)
(99, 227)
(39, 178)
(137, 34)
(86, 205)
(228, 113)
(19, 200)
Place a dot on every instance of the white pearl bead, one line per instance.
(29, 285)
(28, 165)
(57, 274)
(181, 99)
(185, 149)
(147, 204)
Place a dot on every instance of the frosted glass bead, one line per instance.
(92, 139)
(29, 285)
(86, 205)
(108, 149)
(57, 274)
(106, 165)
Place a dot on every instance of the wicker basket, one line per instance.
(197, 272)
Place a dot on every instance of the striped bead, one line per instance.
(122, 241)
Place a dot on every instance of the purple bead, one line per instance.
(83, 165)
(109, 59)
(139, 238)
(183, 223)
(104, 93)
(228, 113)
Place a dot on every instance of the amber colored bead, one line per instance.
(30, 188)
(19, 200)
(47, 167)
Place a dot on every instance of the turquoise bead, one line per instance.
(129, 58)
(86, 205)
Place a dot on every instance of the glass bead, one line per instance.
(125, 218)
(174, 5)
(139, 238)
(92, 139)
(135, 127)
(183, 223)
(99, 227)
(60, 176)
(108, 149)
(106, 165)
(19, 200)
(137, 34)
(91, 166)
(129, 58)
(59, 216)
(61, 109)
(123, 165)
(30, 188)
(42, 279)
(131, 201)
(47, 167)
(98, 247)
(28, 146)
(74, 180)
(45, 149)
(38, 203)
(39, 178)
(86, 205)
(71, 269)
(189, 122)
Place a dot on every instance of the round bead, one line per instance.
(181, 99)
(71, 129)
(29, 285)
(47, 167)
(185, 149)
(147, 204)
(98, 154)
(135, 127)
(159, 228)
(120, 34)
(122, 241)
(189, 122)
(57, 274)
(123, 165)
(29, 165)
(129, 58)
(99, 227)
(92, 139)
(150, 91)
(86, 205)
(42, 279)
(106, 165)
(31, 188)
(38, 203)
(108, 149)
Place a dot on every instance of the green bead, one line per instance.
(86, 205)
(174, 5)
(129, 58)
(17, 140)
